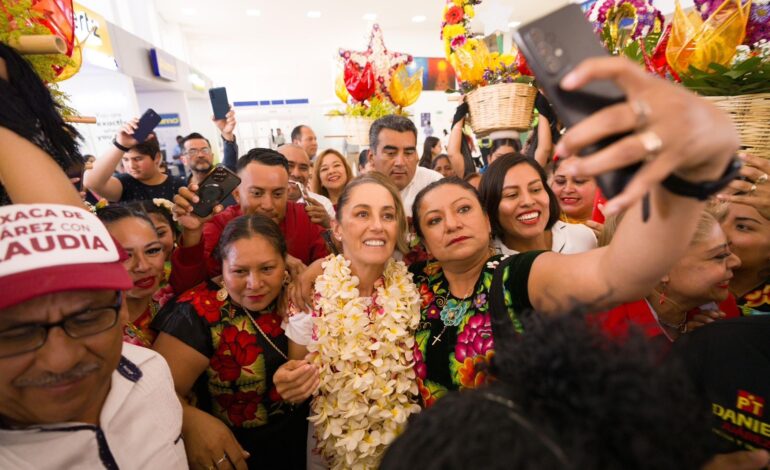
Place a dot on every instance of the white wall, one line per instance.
(107, 95)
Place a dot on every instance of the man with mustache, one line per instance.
(72, 394)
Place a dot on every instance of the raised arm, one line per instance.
(99, 179)
(673, 132)
(227, 130)
(454, 145)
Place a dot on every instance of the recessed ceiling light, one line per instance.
(514, 24)
(253, 12)
(370, 17)
(418, 18)
(189, 11)
(313, 14)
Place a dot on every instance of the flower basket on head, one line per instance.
(498, 87)
(501, 106)
(357, 129)
(751, 116)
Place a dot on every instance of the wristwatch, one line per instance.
(703, 190)
(120, 147)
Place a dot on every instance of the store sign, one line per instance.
(91, 31)
(163, 65)
(170, 120)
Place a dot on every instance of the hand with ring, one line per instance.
(209, 443)
(671, 131)
(753, 189)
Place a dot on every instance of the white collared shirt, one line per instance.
(140, 426)
(567, 239)
(422, 178)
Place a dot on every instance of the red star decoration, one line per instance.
(382, 61)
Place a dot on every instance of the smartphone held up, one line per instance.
(215, 187)
(553, 46)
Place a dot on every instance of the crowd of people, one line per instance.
(406, 311)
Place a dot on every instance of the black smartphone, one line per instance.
(219, 102)
(214, 189)
(147, 123)
(554, 45)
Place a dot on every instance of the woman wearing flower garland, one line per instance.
(455, 341)
(223, 342)
(524, 212)
(361, 330)
(136, 234)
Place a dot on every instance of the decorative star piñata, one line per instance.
(369, 72)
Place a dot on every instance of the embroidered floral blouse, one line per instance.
(756, 302)
(238, 386)
(459, 357)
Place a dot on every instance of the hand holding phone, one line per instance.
(554, 45)
(219, 102)
(147, 123)
(214, 189)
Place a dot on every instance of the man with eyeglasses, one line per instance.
(72, 394)
(198, 157)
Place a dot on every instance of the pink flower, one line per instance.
(458, 41)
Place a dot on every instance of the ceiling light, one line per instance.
(514, 24)
(370, 17)
(189, 11)
(313, 14)
(418, 18)
(253, 12)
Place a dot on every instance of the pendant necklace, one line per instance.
(453, 313)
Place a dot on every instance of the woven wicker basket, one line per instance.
(501, 106)
(751, 115)
(357, 129)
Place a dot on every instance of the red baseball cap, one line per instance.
(50, 248)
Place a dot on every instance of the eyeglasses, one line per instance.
(195, 152)
(27, 338)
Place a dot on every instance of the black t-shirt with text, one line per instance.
(135, 190)
(729, 361)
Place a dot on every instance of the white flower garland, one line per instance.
(365, 357)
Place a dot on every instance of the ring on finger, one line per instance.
(762, 179)
(651, 143)
(642, 112)
(224, 457)
(753, 189)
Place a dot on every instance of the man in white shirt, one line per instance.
(393, 152)
(318, 207)
(72, 394)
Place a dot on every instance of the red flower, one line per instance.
(237, 350)
(270, 324)
(240, 406)
(454, 15)
(205, 303)
(426, 294)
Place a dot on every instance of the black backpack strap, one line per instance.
(500, 312)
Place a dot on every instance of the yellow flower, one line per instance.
(453, 30)
(459, 3)
(469, 11)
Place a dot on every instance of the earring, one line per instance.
(222, 294)
(662, 294)
(286, 278)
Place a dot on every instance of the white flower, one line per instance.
(367, 382)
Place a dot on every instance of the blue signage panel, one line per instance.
(163, 65)
(170, 120)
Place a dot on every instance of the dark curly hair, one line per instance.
(567, 397)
